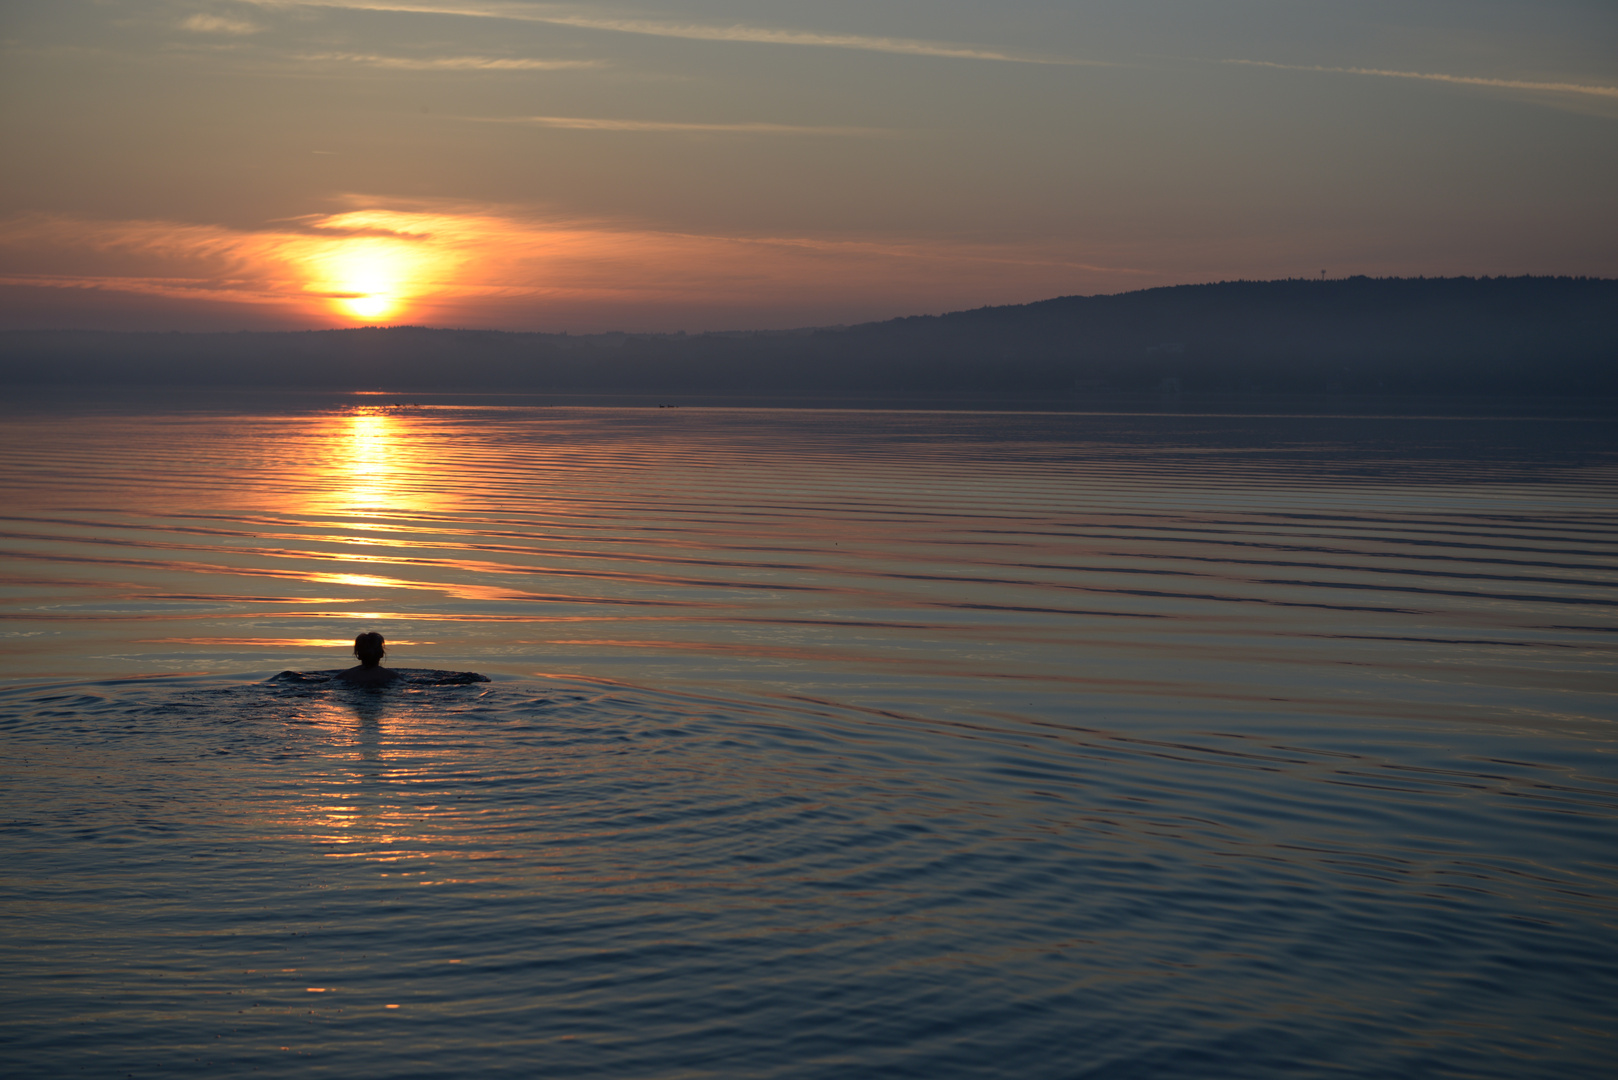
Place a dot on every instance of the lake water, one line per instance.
(818, 743)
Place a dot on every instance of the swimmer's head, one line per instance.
(370, 649)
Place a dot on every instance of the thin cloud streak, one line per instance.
(167, 287)
(984, 255)
(766, 36)
(587, 123)
(694, 31)
(448, 63)
(1463, 80)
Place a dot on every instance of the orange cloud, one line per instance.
(458, 265)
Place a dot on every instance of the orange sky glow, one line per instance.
(720, 164)
(470, 266)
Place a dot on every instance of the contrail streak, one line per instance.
(689, 31)
(1464, 80)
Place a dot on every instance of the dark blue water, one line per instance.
(817, 743)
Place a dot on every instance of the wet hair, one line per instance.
(370, 648)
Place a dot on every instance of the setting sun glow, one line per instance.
(368, 278)
(375, 264)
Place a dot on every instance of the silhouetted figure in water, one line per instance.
(370, 648)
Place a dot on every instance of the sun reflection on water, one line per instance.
(376, 468)
(373, 480)
(372, 450)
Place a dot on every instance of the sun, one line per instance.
(370, 276)
(368, 305)
(371, 266)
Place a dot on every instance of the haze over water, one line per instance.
(818, 742)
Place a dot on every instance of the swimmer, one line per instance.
(370, 649)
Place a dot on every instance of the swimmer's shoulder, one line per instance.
(361, 675)
(447, 678)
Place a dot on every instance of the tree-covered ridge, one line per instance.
(1523, 335)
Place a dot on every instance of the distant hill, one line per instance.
(1382, 336)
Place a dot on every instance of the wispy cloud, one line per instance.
(736, 32)
(1463, 80)
(448, 63)
(590, 123)
(768, 36)
(201, 23)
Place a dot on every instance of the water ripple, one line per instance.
(819, 743)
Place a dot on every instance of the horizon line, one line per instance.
(823, 326)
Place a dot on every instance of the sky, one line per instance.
(716, 164)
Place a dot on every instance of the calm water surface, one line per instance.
(818, 743)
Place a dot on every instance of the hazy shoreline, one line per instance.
(22, 399)
(1429, 343)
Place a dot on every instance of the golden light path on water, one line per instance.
(947, 745)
